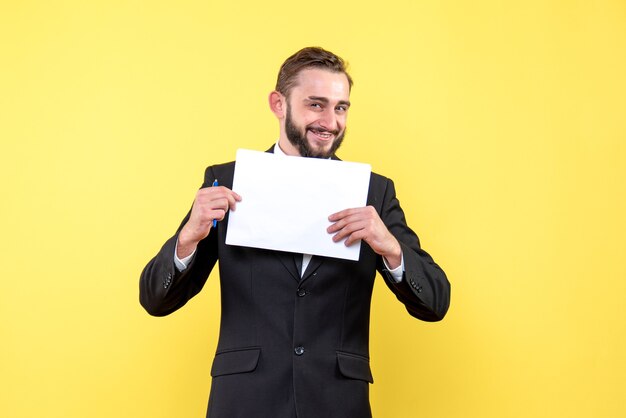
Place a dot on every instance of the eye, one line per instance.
(342, 108)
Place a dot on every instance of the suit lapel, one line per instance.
(314, 264)
(287, 261)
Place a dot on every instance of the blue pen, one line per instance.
(215, 220)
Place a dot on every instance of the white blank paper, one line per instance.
(286, 202)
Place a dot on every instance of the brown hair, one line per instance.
(310, 57)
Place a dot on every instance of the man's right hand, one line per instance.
(211, 203)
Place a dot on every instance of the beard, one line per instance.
(297, 137)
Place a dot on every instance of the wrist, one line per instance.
(394, 257)
(186, 244)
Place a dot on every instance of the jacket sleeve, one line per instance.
(162, 288)
(424, 289)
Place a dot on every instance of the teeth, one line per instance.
(322, 134)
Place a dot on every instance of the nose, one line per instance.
(328, 120)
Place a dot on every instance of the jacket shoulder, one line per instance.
(223, 173)
(379, 178)
(380, 183)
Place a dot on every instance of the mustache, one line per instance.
(319, 129)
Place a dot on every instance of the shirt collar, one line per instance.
(278, 151)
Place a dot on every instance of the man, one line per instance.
(294, 335)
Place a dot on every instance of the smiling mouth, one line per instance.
(322, 134)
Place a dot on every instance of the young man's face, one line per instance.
(317, 110)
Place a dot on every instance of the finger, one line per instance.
(218, 214)
(215, 199)
(224, 204)
(335, 227)
(342, 214)
(343, 222)
(203, 211)
(228, 192)
(221, 203)
(356, 237)
(221, 192)
(233, 198)
(217, 191)
(347, 230)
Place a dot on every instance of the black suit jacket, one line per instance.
(292, 346)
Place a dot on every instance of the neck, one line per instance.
(287, 147)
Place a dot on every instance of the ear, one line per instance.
(278, 104)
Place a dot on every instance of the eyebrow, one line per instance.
(326, 101)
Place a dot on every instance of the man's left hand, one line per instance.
(364, 223)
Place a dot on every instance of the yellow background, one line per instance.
(502, 124)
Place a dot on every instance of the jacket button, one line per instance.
(299, 350)
(301, 292)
